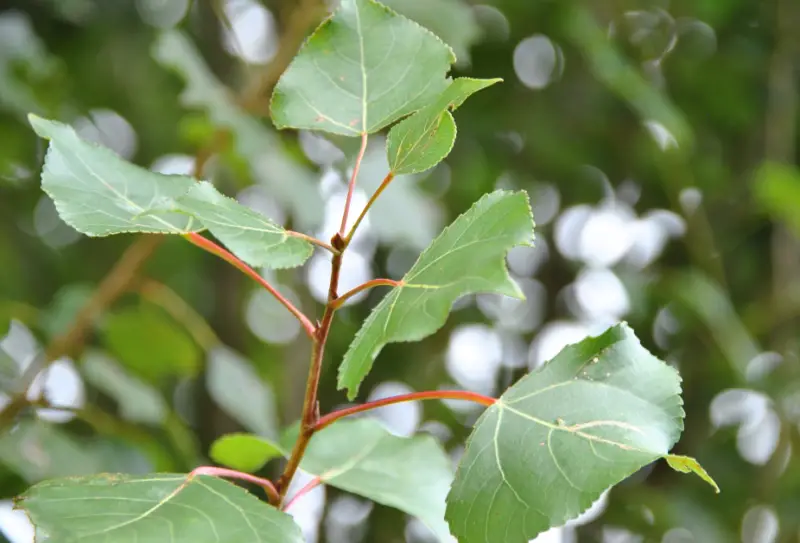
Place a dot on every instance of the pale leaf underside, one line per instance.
(361, 456)
(160, 507)
(98, 193)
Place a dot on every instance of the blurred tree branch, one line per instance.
(125, 272)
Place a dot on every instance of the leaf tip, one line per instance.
(38, 124)
(687, 464)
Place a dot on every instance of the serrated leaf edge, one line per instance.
(323, 24)
(583, 505)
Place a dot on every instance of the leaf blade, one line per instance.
(595, 414)
(409, 474)
(687, 464)
(120, 195)
(425, 138)
(248, 234)
(137, 506)
(244, 452)
(338, 84)
(437, 279)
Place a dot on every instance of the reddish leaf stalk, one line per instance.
(214, 249)
(313, 240)
(465, 395)
(352, 186)
(378, 191)
(339, 302)
(311, 485)
(310, 404)
(267, 485)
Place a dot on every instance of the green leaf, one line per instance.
(99, 194)
(37, 450)
(424, 139)
(363, 69)
(157, 507)
(777, 187)
(265, 153)
(595, 414)
(469, 256)
(687, 464)
(137, 401)
(361, 456)
(69, 300)
(244, 452)
(247, 233)
(236, 387)
(151, 344)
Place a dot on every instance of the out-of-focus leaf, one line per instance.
(361, 456)
(452, 20)
(552, 443)
(137, 401)
(777, 188)
(37, 450)
(239, 391)
(21, 48)
(98, 193)
(61, 313)
(711, 304)
(288, 182)
(151, 344)
(244, 452)
(251, 236)
(156, 507)
(469, 256)
(9, 371)
(363, 69)
(612, 69)
(424, 139)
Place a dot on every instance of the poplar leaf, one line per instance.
(364, 68)
(468, 257)
(157, 507)
(598, 412)
(424, 139)
(361, 456)
(248, 234)
(98, 193)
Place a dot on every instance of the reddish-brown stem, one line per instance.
(378, 191)
(313, 240)
(267, 485)
(330, 418)
(311, 485)
(352, 186)
(208, 245)
(310, 414)
(339, 302)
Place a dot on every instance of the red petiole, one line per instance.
(208, 245)
(330, 418)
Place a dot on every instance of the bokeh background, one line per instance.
(657, 140)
